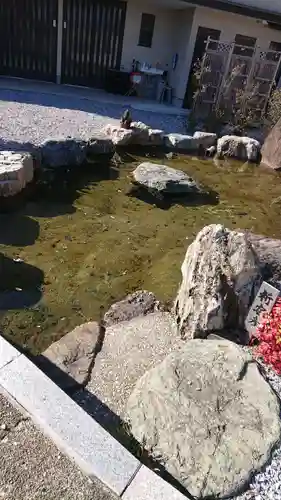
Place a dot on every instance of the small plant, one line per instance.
(274, 108)
(268, 334)
(239, 103)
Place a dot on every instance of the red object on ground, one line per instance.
(268, 333)
(135, 78)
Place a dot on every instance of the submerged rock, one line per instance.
(207, 414)
(220, 278)
(139, 303)
(165, 180)
(241, 148)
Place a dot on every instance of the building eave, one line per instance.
(237, 8)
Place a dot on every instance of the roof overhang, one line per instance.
(238, 8)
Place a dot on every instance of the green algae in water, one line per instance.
(85, 243)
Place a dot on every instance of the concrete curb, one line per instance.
(75, 433)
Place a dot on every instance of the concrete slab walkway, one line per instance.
(90, 94)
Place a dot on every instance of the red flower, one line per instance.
(268, 333)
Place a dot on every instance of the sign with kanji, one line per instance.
(263, 303)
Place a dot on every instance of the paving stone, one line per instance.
(148, 486)
(7, 352)
(72, 430)
(68, 360)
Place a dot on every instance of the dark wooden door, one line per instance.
(93, 32)
(199, 49)
(28, 38)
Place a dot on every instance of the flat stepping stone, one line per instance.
(68, 360)
(165, 180)
(208, 415)
(130, 348)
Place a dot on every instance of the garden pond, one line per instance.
(82, 240)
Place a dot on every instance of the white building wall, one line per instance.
(175, 32)
(171, 35)
(163, 42)
(183, 23)
(229, 24)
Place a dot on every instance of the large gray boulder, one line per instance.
(139, 134)
(181, 142)
(241, 148)
(271, 150)
(16, 171)
(118, 135)
(139, 303)
(164, 179)
(268, 251)
(62, 152)
(207, 414)
(205, 139)
(100, 148)
(220, 278)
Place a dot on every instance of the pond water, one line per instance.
(83, 240)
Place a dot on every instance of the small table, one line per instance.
(149, 87)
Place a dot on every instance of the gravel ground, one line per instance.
(32, 117)
(32, 468)
(267, 484)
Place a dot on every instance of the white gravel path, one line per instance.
(29, 117)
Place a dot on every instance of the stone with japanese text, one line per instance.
(263, 303)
